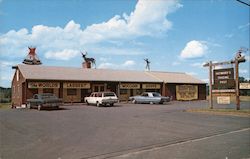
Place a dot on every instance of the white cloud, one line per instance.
(6, 64)
(229, 35)
(148, 19)
(243, 71)
(198, 64)
(244, 26)
(194, 49)
(205, 80)
(176, 63)
(192, 73)
(126, 65)
(61, 55)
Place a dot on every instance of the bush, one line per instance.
(5, 100)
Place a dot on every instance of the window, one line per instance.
(145, 94)
(156, 94)
(109, 94)
(48, 90)
(123, 91)
(71, 92)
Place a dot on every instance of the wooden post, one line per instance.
(210, 86)
(237, 94)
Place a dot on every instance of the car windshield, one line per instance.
(44, 96)
(156, 94)
(108, 94)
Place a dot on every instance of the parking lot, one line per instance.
(123, 131)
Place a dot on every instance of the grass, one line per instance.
(232, 112)
(5, 105)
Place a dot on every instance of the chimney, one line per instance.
(86, 64)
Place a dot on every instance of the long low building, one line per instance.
(73, 84)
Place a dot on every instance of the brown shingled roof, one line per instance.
(80, 74)
(39, 72)
(176, 77)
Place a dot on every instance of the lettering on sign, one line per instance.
(224, 79)
(43, 85)
(151, 86)
(76, 85)
(223, 100)
(244, 85)
(186, 92)
(129, 86)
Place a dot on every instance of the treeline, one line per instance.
(5, 95)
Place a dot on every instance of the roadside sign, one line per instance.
(244, 85)
(223, 100)
(224, 78)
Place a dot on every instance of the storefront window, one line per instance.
(71, 92)
(123, 91)
(48, 90)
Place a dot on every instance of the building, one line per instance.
(73, 84)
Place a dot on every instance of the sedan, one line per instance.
(149, 97)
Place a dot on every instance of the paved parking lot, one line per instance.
(123, 131)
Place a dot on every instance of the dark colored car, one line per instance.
(149, 97)
(45, 100)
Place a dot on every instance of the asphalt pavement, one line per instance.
(124, 131)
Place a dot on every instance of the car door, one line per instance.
(145, 98)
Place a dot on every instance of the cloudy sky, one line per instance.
(176, 36)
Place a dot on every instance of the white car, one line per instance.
(101, 98)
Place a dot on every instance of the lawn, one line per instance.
(233, 112)
(5, 105)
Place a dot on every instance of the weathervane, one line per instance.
(147, 64)
(88, 60)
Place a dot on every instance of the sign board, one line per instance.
(244, 85)
(76, 85)
(151, 86)
(43, 85)
(224, 78)
(129, 86)
(186, 92)
(224, 91)
(223, 100)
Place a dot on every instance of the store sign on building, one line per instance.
(244, 85)
(151, 86)
(76, 85)
(224, 79)
(186, 92)
(129, 86)
(43, 85)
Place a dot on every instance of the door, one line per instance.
(98, 88)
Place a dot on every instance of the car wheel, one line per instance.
(28, 106)
(112, 104)
(87, 102)
(97, 104)
(151, 102)
(134, 101)
(39, 107)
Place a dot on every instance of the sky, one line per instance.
(175, 35)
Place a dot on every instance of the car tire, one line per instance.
(39, 107)
(112, 104)
(87, 102)
(151, 102)
(28, 106)
(134, 101)
(97, 104)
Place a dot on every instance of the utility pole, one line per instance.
(237, 94)
(210, 86)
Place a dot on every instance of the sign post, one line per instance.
(210, 86)
(224, 79)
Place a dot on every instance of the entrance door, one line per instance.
(84, 93)
(98, 88)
